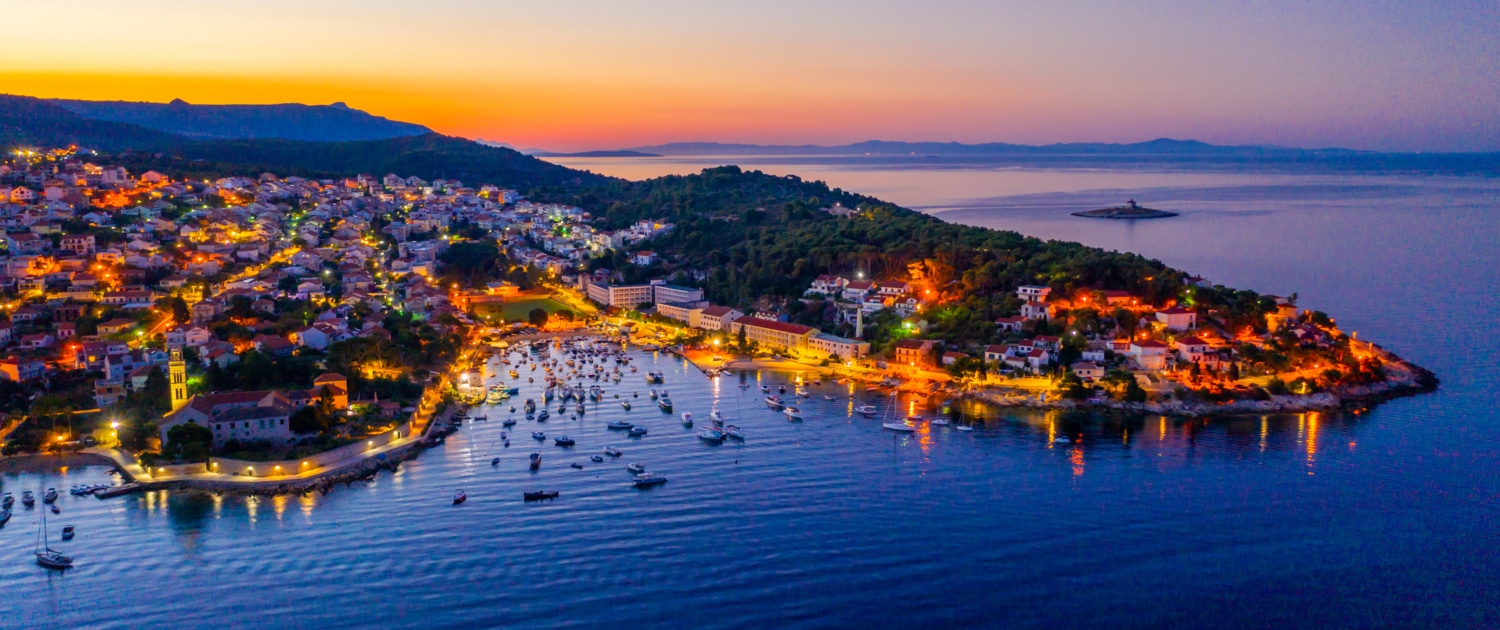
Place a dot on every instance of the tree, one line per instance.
(189, 442)
(1072, 386)
(537, 317)
(307, 420)
(180, 312)
(564, 314)
(740, 339)
(1134, 393)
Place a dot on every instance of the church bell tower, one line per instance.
(177, 370)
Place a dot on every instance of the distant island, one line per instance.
(1130, 210)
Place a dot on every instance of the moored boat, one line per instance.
(460, 497)
(540, 495)
(900, 427)
(649, 479)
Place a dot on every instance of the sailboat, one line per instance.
(49, 558)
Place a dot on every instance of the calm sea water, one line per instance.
(1385, 518)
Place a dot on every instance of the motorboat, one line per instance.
(781, 389)
(637, 431)
(540, 495)
(50, 497)
(711, 435)
(664, 403)
(575, 465)
(792, 412)
(68, 532)
(538, 435)
(596, 458)
(7, 501)
(509, 422)
(460, 497)
(620, 424)
(579, 408)
(542, 417)
(716, 417)
(829, 397)
(612, 451)
(900, 427)
(563, 441)
(649, 479)
(865, 410)
(636, 467)
(625, 404)
(734, 432)
(28, 499)
(687, 419)
(773, 401)
(536, 461)
(495, 462)
(652, 394)
(765, 390)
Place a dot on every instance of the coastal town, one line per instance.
(221, 323)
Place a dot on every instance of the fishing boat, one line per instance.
(711, 435)
(619, 424)
(612, 451)
(540, 495)
(792, 412)
(687, 419)
(49, 558)
(563, 441)
(637, 431)
(649, 479)
(636, 467)
(734, 432)
(459, 497)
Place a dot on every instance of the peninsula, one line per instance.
(281, 312)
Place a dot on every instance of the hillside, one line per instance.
(288, 121)
(27, 121)
(429, 156)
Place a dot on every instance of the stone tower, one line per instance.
(177, 371)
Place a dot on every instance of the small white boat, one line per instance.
(964, 427)
(734, 432)
(829, 397)
(538, 435)
(900, 427)
(637, 431)
(774, 402)
(687, 419)
(612, 451)
(596, 458)
(865, 410)
(941, 422)
(620, 424)
(1062, 440)
(792, 412)
(636, 467)
(711, 435)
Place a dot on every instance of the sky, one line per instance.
(597, 74)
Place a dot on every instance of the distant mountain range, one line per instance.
(31, 122)
(289, 121)
(1161, 146)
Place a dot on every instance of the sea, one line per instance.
(1386, 518)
